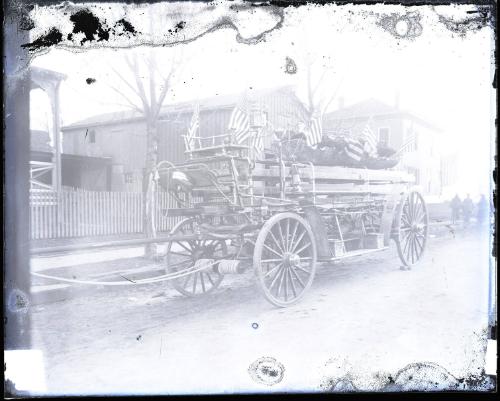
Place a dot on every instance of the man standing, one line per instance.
(455, 206)
(467, 207)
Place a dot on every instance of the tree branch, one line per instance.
(142, 94)
(335, 92)
(125, 81)
(126, 98)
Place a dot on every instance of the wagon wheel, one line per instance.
(412, 228)
(284, 258)
(184, 254)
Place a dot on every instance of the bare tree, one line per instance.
(319, 85)
(144, 86)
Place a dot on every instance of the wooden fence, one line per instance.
(80, 213)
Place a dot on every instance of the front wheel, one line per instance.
(183, 255)
(285, 258)
(412, 227)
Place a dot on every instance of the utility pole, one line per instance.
(16, 181)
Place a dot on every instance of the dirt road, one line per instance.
(364, 319)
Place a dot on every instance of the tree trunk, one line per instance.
(149, 186)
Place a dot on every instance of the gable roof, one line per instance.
(374, 108)
(211, 103)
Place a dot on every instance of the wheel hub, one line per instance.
(291, 259)
(415, 227)
(202, 253)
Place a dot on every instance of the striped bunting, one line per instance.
(314, 132)
(353, 149)
(240, 124)
(368, 135)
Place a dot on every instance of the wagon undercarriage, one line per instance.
(281, 219)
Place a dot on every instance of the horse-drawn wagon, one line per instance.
(281, 218)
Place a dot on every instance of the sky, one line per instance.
(440, 76)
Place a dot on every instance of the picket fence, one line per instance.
(80, 213)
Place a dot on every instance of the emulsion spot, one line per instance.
(87, 23)
(266, 370)
(18, 301)
(52, 37)
(290, 66)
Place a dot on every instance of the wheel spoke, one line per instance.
(405, 249)
(293, 234)
(283, 273)
(210, 279)
(420, 246)
(194, 282)
(202, 281)
(287, 233)
(286, 284)
(412, 206)
(418, 212)
(292, 284)
(190, 250)
(297, 277)
(276, 277)
(303, 247)
(302, 269)
(271, 260)
(268, 273)
(298, 242)
(188, 277)
(276, 241)
(413, 249)
(281, 236)
(272, 250)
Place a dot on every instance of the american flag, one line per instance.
(240, 124)
(314, 132)
(353, 149)
(258, 142)
(368, 135)
(193, 128)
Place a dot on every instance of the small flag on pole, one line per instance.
(368, 135)
(193, 128)
(314, 132)
(240, 124)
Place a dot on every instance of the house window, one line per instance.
(91, 136)
(383, 136)
(129, 177)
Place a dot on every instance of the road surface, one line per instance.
(362, 321)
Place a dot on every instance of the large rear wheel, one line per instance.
(285, 258)
(412, 227)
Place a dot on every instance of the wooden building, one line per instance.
(121, 136)
(399, 129)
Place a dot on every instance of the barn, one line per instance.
(121, 136)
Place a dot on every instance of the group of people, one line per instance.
(465, 208)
